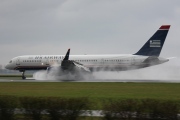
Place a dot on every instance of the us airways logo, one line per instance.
(155, 43)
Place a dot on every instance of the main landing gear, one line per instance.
(23, 74)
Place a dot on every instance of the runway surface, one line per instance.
(169, 73)
(95, 80)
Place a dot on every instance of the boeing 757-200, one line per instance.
(147, 56)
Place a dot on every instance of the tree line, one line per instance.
(56, 108)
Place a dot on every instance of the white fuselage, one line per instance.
(147, 56)
(93, 62)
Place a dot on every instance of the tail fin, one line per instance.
(154, 45)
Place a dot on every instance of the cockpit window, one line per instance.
(10, 61)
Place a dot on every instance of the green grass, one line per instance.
(10, 75)
(93, 90)
(14, 77)
(97, 92)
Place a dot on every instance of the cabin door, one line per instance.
(18, 61)
(132, 61)
(102, 61)
(46, 62)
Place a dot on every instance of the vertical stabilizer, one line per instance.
(154, 45)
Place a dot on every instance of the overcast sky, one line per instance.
(86, 26)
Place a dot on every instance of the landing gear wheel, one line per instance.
(23, 76)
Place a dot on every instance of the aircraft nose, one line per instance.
(7, 66)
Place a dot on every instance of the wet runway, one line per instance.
(168, 73)
(96, 80)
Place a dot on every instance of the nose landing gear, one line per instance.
(23, 74)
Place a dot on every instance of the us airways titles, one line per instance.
(47, 57)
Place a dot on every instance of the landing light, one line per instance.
(42, 63)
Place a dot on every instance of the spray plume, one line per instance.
(167, 72)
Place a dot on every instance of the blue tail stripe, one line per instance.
(154, 45)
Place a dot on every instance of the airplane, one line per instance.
(147, 56)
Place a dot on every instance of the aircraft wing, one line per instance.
(80, 66)
(72, 66)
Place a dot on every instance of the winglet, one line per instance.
(67, 55)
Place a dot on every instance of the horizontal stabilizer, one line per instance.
(171, 58)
